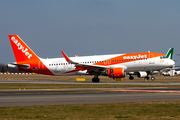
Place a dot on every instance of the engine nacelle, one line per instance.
(141, 74)
(177, 72)
(82, 72)
(116, 73)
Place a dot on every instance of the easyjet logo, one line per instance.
(135, 57)
(20, 47)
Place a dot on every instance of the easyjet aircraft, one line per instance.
(113, 66)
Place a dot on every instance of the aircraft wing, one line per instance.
(81, 67)
(89, 68)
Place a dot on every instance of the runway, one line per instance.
(86, 96)
(83, 96)
(79, 82)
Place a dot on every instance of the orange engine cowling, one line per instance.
(116, 73)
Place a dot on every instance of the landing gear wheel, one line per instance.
(131, 78)
(152, 78)
(95, 80)
(146, 78)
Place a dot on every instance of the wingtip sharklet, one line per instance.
(65, 56)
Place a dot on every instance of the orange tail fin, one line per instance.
(21, 51)
(26, 59)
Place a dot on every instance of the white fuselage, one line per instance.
(59, 66)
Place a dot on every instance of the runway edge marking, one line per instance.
(160, 91)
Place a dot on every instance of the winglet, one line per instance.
(67, 58)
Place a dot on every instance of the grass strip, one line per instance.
(114, 111)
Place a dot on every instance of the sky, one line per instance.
(90, 27)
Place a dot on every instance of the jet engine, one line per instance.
(116, 73)
(142, 74)
(177, 72)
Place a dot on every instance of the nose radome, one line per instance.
(172, 62)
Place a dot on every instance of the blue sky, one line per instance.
(88, 27)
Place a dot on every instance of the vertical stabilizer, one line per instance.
(21, 51)
(169, 54)
(26, 59)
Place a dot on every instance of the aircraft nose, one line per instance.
(172, 62)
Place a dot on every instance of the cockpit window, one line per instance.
(162, 57)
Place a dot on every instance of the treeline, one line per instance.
(5, 69)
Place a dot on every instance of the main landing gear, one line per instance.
(95, 79)
(131, 77)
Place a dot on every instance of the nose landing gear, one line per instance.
(147, 78)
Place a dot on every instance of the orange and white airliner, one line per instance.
(113, 66)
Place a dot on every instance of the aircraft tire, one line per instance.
(152, 78)
(147, 78)
(95, 80)
(131, 78)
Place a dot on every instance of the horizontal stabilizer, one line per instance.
(14, 65)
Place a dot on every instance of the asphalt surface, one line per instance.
(84, 96)
(79, 82)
